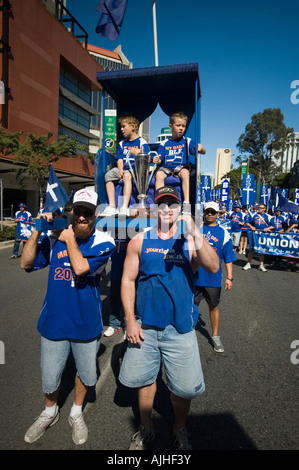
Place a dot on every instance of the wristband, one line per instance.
(230, 279)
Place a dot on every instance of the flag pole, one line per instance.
(155, 32)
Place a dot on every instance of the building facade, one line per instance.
(49, 76)
(223, 164)
(291, 154)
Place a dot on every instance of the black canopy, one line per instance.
(139, 91)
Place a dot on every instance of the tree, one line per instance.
(264, 142)
(37, 153)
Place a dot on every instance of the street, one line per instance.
(251, 396)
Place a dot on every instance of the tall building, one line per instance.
(49, 76)
(223, 164)
(291, 154)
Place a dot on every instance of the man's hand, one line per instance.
(134, 332)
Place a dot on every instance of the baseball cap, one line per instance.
(237, 204)
(86, 198)
(22, 204)
(212, 205)
(167, 191)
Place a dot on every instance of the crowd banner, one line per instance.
(277, 244)
(264, 194)
(205, 188)
(248, 190)
(225, 191)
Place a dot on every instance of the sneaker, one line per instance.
(110, 331)
(262, 268)
(218, 346)
(181, 439)
(124, 211)
(13, 257)
(41, 423)
(247, 266)
(240, 252)
(141, 438)
(109, 212)
(80, 430)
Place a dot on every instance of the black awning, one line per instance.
(139, 91)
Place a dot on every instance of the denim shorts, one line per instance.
(180, 358)
(54, 355)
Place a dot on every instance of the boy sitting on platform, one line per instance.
(173, 154)
(125, 157)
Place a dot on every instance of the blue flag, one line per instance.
(248, 190)
(224, 195)
(110, 23)
(56, 197)
(264, 194)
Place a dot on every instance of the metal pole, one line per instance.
(155, 32)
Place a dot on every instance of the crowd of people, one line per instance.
(158, 280)
(257, 218)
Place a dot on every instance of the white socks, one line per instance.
(75, 410)
(51, 410)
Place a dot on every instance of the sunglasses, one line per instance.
(87, 214)
(210, 211)
(172, 205)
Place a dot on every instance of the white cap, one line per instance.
(86, 198)
(212, 205)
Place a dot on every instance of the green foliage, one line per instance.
(8, 233)
(264, 142)
(281, 180)
(37, 153)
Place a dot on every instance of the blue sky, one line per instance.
(247, 54)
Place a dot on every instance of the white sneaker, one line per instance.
(42, 422)
(218, 346)
(262, 268)
(110, 331)
(80, 430)
(247, 266)
(109, 211)
(124, 211)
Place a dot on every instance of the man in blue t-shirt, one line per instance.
(71, 318)
(208, 286)
(237, 218)
(23, 229)
(258, 221)
(162, 262)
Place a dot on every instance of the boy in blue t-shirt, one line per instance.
(127, 149)
(174, 153)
